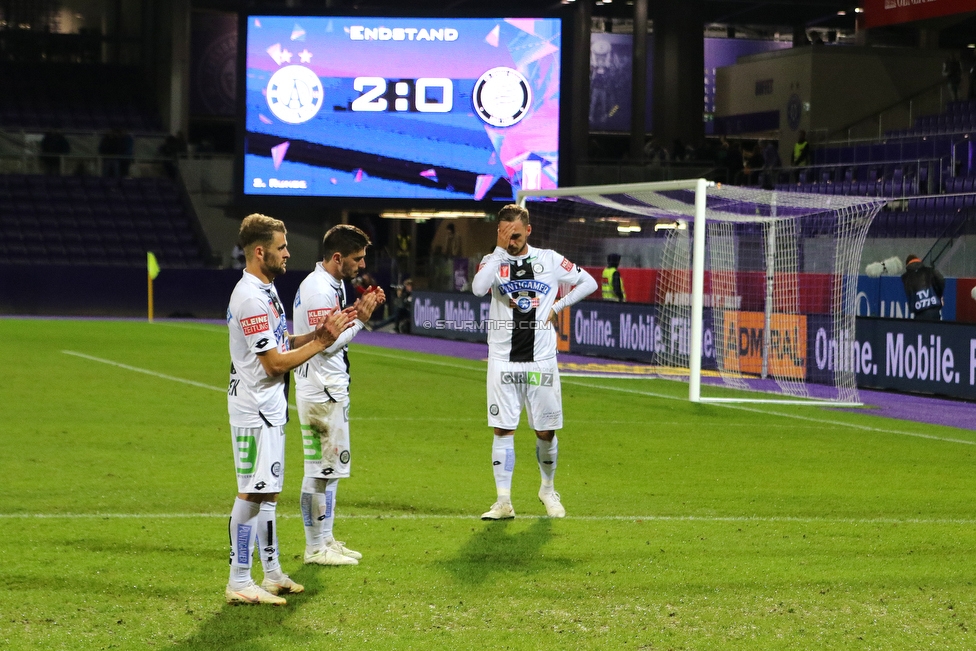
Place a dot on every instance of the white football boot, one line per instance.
(554, 508)
(252, 594)
(499, 511)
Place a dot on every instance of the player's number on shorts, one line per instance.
(247, 454)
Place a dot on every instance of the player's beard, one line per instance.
(351, 272)
(516, 251)
(274, 265)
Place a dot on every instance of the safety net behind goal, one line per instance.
(778, 289)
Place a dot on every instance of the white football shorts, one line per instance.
(325, 438)
(259, 456)
(533, 385)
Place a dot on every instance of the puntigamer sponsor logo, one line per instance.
(532, 378)
(524, 286)
(361, 33)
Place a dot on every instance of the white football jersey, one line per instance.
(257, 323)
(523, 291)
(326, 375)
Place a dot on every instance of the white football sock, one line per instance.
(547, 452)
(313, 497)
(242, 526)
(328, 510)
(268, 540)
(503, 465)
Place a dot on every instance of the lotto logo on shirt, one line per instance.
(255, 324)
(316, 316)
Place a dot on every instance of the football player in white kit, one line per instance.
(522, 370)
(322, 389)
(262, 352)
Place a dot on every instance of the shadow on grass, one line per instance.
(246, 627)
(494, 549)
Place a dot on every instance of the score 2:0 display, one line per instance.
(373, 100)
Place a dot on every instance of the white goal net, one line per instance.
(746, 288)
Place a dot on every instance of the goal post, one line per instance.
(739, 276)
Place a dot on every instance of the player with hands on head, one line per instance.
(262, 352)
(522, 371)
(322, 389)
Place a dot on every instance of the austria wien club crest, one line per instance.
(295, 94)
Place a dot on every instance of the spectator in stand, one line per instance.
(127, 145)
(117, 148)
(771, 165)
(734, 162)
(656, 154)
(238, 258)
(722, 153)
(53, 146)
(677, 150)
(801, 153)
(171, 149)
(752, 167)
(952, 71)
(452, 247)
(972, 80)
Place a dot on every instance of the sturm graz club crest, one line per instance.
(295, 94)
(276, 469)
(502, 96)
(344, 456)
(524, 304)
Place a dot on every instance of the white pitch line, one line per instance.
(435, 516)
(823, 421)
(145, 371)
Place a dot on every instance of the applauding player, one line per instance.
(262, 352)
(323, 389)
(522, 370)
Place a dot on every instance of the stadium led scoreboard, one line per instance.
(401, 108)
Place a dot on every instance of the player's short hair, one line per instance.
(513, 213)
(344, 240)
(259, 229)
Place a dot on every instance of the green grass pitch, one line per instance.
(695, 527)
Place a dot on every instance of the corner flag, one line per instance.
(153, 270)
(152, 264)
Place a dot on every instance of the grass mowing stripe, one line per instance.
(365, 349)
(824, 421)
(442, 516)
(821, 421)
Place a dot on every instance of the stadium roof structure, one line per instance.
(955, 31)
(753, 12)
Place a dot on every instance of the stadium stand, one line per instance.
(97, 221)
(94, 97)
(934, 156)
